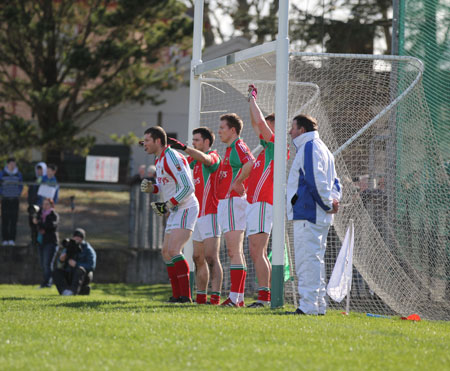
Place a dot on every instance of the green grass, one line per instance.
(130, 327)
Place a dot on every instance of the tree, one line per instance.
(257, 20)
(75, 60)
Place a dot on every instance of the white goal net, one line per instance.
(373, 117)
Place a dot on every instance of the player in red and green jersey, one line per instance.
(260, 199)
(206, 237)
(234, 171)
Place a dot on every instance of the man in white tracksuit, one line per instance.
(313, 194)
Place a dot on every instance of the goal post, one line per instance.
(279, 177)
(373, 116)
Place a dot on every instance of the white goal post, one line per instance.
(373, 116)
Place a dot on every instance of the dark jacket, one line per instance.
(50, 226)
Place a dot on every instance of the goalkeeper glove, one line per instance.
(161, 208)
(252, 92)
(176, 144)
(147, 186)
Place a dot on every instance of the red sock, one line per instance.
(215, 298)
(172, 272)
(236, 278)
(182, 268)
(242, 283)
(201, 297)
(263, 294)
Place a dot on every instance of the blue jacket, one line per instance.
(87, 258)
(52, 182)
(11, 183)
(312, 182)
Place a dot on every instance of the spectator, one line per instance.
(11, 185)
(47, 224)
(40, 169)
(151, 173)
(75, 266)
(136, 179)
(50, 180)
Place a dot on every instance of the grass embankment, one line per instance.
(130, 327)
(103, 214)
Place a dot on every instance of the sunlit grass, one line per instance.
(131, 327)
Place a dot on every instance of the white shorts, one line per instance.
(207, 226)
(259, 218)
(231, 214)
(182, 219)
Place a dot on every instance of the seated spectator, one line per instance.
(75, 266)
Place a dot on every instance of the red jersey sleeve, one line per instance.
(244, 153)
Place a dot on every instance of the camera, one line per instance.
(33, 210)
(72, 249)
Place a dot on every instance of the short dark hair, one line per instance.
(205, 133)
(52, 166)
(270, 117)
(10, 159)
(157, 132)
(307, 122)
(233, 121)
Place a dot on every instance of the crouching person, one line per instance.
(75, 266)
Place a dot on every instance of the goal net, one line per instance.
(373, 117)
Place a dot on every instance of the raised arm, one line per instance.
(257, 119)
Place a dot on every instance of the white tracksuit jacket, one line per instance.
(312, 186)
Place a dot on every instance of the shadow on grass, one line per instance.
(134, 290)
(90, 304)
(13, 298)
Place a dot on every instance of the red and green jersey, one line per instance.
(260, 181)
(236, 156)
(205, 182)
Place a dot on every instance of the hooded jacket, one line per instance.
(33, 188)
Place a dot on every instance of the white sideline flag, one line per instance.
(341, 279)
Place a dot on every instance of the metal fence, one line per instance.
(146, 229)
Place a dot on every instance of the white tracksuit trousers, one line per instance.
(310, 241)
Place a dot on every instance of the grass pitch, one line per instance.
(124, 327)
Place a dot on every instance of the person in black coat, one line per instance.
(47, 222)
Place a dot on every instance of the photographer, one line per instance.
(75, 266)
(46, 221)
